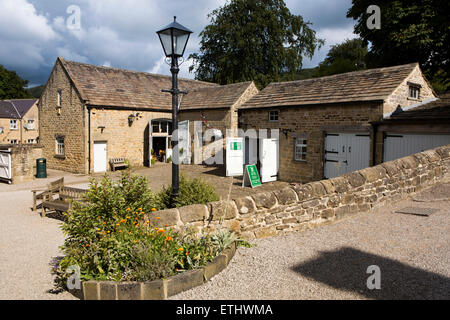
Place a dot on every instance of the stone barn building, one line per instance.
(90, 114)
(325, 123)
(215, 108)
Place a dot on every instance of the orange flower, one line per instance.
(180, 249)
(123, 220)
(128, 209)
(187, 253)
(158, 218)
(166, 225)
(154, 209)
(161, 231)
(140, 209)
(169, 238)
(88, 245)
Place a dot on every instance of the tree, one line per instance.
(12, 86)
(411, 31)
(345, 57)
(253, 40)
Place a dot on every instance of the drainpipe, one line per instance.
(89, 139)
(374, 147)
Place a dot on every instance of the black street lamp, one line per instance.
(174, 39)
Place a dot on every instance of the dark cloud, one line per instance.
(122, 34)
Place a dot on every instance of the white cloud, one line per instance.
(19, 21)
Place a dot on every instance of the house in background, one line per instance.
(19, 122)
(325, 123)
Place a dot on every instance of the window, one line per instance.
(30, 141)
(13, 124)
(414, 90)
(300, 149)
(30, 124)
(59, 98)
(60, 148)
(13, 141)
(273, 115)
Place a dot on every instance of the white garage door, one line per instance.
(346, 152)
(401, 145)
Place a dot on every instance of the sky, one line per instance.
(122, 33)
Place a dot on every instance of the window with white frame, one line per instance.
(13, 141)
(60, 147)
(13, 124)
(30, 124)
(300, 149)
(414, 92)
(274, 115)
(31, 141)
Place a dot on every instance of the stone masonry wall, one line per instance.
(401, 95)
(70, 124)
(123, 140)
(23, 161)
(303, 207)
(313, 121)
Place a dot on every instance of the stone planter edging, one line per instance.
(157, 289)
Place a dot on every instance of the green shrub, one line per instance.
(191, 191)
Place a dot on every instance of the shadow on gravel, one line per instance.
(346, 269)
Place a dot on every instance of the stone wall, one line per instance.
(123, 140)
(69, 123)
(313, 122)
(400, 96)
(303, 207)
(23, 161)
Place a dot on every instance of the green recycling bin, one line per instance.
(41, 168)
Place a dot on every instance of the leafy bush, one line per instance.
(110, 237)
(191, 191)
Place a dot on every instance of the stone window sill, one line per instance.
(58, 156)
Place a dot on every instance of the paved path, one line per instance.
(28, 244)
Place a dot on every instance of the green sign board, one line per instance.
(236, 146)
(252, 176)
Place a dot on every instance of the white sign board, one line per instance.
(235, 157)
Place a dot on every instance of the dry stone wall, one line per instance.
(306, 206)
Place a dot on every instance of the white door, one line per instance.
(346, 152)
(100, 163)
(5, 165)
(184, 142)
(401, 145)
(235, 157)
(269, 159)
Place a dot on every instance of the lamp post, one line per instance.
(174, 39)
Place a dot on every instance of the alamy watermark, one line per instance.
(374, 281)
(73, 22)
(374, 20)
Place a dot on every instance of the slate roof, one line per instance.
(15, 109)
(366, 85)
(436, 110)
(103, 86)
(214, 97)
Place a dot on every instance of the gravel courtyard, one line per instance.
(329, 262)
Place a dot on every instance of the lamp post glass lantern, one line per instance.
(174, 39)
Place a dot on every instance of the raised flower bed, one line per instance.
(157, 289)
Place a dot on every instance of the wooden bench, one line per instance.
(117, 163)
(63, 203)
(53, 187)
